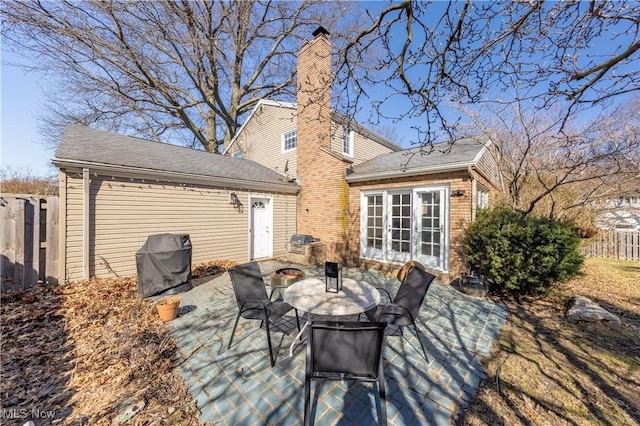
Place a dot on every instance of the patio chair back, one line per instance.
(338, 350)
(413, 290)
(254, 303)
(248, 285)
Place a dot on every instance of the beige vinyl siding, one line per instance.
(284, 222)
(73, 245)
(261, 138)
(363, 148)
(488, 167)
(125, 211)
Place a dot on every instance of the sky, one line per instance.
(21, 146)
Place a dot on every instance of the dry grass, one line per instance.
(545, 370)
(87, 350)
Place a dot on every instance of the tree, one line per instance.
(163, 69)
(193, 68)
(23, 181)
(554, 168)
(429, 53)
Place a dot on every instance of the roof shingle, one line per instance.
(85, 145)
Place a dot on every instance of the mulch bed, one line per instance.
(81, 353)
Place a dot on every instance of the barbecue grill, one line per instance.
(298, 241)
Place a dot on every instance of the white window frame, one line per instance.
(284, 140)
(383, 255)
(365, 251)
(482, 198)
(347, 141)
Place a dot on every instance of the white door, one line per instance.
(374, 221)
(260, 221)
(399, 227)
(430, 223)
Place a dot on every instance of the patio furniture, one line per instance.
(339, 350)
(402, 273)
(403, 310)
(253, 302)
(310, 296)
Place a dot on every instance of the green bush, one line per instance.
(522, 254)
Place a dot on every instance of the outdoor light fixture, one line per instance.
(332, 277)
(457, 193)
(233, 198)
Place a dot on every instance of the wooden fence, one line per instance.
(28, 240)
(612, 244)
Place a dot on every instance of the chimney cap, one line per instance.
(320, 30)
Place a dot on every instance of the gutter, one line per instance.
(180, 177)
(412, 172)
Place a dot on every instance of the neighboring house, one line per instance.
(365, 198)
(117, 190)
(622, 213)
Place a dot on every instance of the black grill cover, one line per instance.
(164, 265)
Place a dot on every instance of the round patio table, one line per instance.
(310, 296)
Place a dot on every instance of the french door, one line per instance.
(399, 227)
(403, 225)
(430, 229)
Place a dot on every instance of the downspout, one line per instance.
(62, 222)
(86, 193)
(474, 198)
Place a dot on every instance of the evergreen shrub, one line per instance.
(522, 254)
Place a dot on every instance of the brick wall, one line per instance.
(324, 195)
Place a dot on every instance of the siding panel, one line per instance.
(261, 138)
(124, 212)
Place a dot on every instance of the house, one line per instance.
(116, 190)
(269, 136)
(365, 198)
(622, 213)
(304, 170)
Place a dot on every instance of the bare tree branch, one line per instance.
(187, 70)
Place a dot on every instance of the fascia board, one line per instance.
(413, 172)
(178, 176)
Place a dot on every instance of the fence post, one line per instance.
(52, 261)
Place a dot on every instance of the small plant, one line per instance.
(519, 253)
(169, 300)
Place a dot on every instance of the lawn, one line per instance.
(85, 351)
(545, 370)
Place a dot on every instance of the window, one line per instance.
(289, 141)
(374, 221)
(347, 142)
(483, 199)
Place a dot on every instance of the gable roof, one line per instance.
(100, 150)
(444, 157)
(335, 116)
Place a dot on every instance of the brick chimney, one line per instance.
(324, 196)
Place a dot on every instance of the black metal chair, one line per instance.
(253, 302)
(339, 350)
(403, 310)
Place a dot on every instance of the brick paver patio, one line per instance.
(238, 386)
